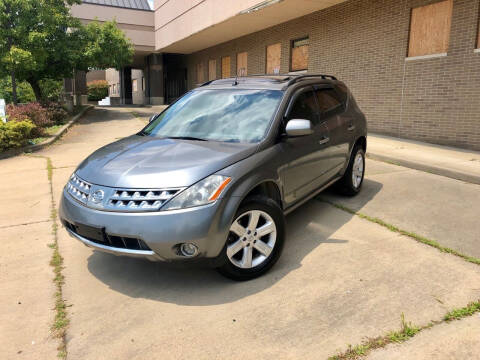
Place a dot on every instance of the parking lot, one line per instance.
(348, 271)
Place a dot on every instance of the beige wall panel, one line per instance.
(107, 13)
(184, 26)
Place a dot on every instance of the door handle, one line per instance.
(351, 127)
(324, 140)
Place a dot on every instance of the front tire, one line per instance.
(255, 240)
(351, 182)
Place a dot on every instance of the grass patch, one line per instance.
(37, 140)
(457, 314)
(49, 132)
(61, 321)
(406, 332)
(52, 130)
(410, 234)
(136, 114)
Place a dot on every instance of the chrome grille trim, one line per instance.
(119, 199)
(78, 189)
(139, 199)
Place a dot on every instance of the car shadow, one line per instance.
(308, 227)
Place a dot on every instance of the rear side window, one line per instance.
(305, 107)
(342, 91)
(328, 100)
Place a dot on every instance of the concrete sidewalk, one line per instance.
(455, 163)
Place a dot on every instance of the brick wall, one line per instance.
(364, 43)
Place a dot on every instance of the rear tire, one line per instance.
(255, 240)
(351, 182)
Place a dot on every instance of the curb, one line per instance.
(60, 132)
(453, 174)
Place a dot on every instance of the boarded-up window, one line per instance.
(274, 54)
(212, 70)
(200, 73)
(242, 59)
(430, 29)
(478, 38)
(299, 54)
(225, 67)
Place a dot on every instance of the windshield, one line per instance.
(224, 115)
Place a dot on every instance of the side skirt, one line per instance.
(308, 197)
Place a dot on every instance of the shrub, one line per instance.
(34, 112)
(51, 89)
(56, 113)
(97, 90)
(15, 133)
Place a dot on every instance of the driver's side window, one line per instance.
(305, 107)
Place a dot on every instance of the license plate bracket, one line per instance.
(90, 232)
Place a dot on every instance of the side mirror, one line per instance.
(153, 117)
(299, 127)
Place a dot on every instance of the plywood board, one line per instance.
(430, 29)
(212, 70)
(478, 38)
(274, 55)
(242, 64)
(300, 58)
(200, 73)
(225, 67)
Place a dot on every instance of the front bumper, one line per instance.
(162, 231)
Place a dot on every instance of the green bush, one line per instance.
(51, 89)
(56, 113)
(97, 90)
(24, 91)
(14, 133)
(34, 112)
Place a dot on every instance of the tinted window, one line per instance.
(342, 91)
(224, 115)
(327, 100)
(305, 107)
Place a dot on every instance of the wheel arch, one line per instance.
(362, 141)
(268, 188)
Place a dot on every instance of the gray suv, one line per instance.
(212, 177)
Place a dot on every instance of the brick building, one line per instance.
(413, 65)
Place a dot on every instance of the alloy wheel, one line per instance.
(251, 239)
(357, 170)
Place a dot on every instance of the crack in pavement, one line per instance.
(24, 224)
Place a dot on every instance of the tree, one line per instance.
(40, 40)
(24, 91)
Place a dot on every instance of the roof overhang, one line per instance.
(194, 30)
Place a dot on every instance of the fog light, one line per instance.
(188, 250)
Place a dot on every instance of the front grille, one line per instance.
(119, 242)
(78, 188)
(139, 200)
(118, 199)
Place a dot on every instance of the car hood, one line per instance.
(149, 162)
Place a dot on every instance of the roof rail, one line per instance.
(206, 83)
(301, 77)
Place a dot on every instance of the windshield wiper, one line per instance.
(186, 138)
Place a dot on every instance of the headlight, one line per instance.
(204, 192)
